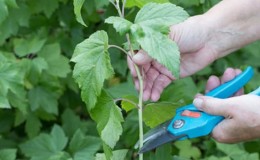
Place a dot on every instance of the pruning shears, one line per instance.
(189, 122)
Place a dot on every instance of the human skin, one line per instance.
(203, 39)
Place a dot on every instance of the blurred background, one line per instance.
(42, 116)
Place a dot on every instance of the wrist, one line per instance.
(233, 25)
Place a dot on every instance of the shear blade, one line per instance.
(161, 138)
(153, 133)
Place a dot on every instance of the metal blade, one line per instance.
(153, 133)
(163, 137)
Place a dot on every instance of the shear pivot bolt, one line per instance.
(178, 123)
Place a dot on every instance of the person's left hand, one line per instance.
(242, 113)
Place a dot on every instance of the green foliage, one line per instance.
(92, 66)
(157, 113)
(77, 10)
(42, 115)
(8, 154)
(141, 3)
(108, 117)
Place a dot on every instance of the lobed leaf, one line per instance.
(40, 97)
(108, 117)
(117, 155)
(157, 16)
(120, 24)
(46, 146)
(161, 48)
(150, 30)
(92, 66)
(157, 113)
(12, 80)
(84, 147)
(58, 64)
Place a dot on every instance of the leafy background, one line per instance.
(42, 116)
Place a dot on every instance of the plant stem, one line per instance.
(127, 100)
(123, 8)
(140, 78)
(140, 100)
(115, 46)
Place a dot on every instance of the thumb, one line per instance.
(141, 58)
(212, 106)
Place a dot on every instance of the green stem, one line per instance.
(115, 46)
(140, 78)
(140, 101)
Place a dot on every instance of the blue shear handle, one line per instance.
(227, 89)
(203, 125)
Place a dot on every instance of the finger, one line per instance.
(152, 74)
(221, 132)
(198, 95)
(212, 83)
(213, 106)
(228, 75)
(141, 58)
(159, 67)
(241, 91)
(130, 64)
(137, 85)
(147, 67)
(160, 83)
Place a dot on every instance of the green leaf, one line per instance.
(40, 97)
(32, 125)
(20, 17)
(8, 154)
(108, 117)
(120, 24)
(161, 48)
(45, 6)
(141, 3)
(77, 11)
(187, 150)
(236, 152)
(12, 77)
(11, 3)
(164, 152)
(129, 102)
(157, 113)
(101, 3)
(177, 91)
(45, 146)
(58, 65)
(92, 66)
(32, 45)
(158, 16)
(3, 11)
(151, 24)
(58, 137)
(117, 155)
(84, 147)
(70, 122)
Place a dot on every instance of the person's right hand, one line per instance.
(197, 51)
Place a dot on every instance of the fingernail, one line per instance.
(138, 57)
(198, 102)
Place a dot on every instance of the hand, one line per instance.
(197, 51)
(242, 113)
